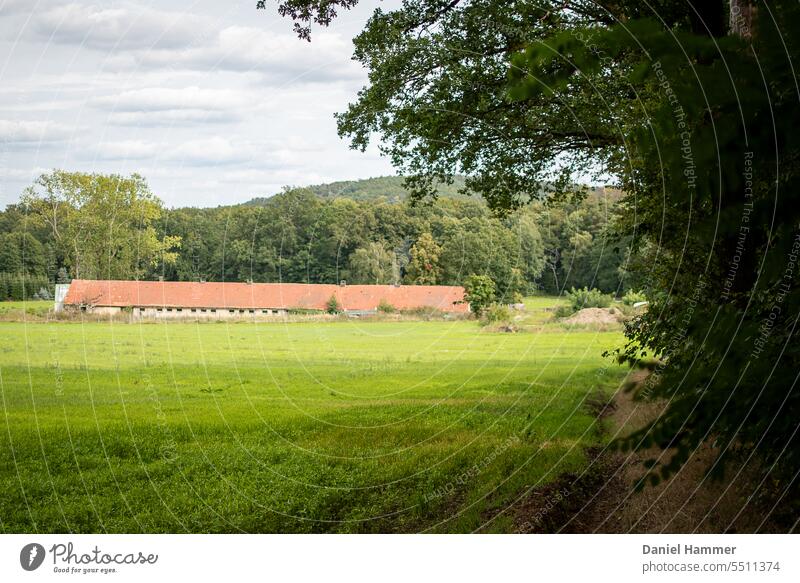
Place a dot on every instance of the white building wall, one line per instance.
(142, 313)
(206, 313)
(61, 293)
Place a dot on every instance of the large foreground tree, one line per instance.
(691, 108)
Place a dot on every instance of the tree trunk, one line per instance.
(742, 18)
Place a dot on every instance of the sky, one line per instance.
(212, 101)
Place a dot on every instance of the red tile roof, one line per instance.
(261, 295)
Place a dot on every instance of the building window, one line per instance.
(203, 310)
(252, 311)
(241, 311)
(160, 309)
(231, 311)
(274, 311)
(265, 311)
(213, 310)
(141, 309)
(169, 309)
(179, 310)
(194, 309)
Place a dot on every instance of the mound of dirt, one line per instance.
(594, 316)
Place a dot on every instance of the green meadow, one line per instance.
(22, 309)
(340, 426)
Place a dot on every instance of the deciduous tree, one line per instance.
(104, 224)
(423, 267)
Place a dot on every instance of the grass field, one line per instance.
(19, 309)
(344, 426)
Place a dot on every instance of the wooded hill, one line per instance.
(389, 188)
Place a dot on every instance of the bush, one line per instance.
(497, 313)
(386, 307)
(303, 312)
(631, 297)
(424, 312)
(564, 311)
(479, 291)
(578, 299)
(332, 306)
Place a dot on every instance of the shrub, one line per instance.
(332, 306)
(588, 298)
(631, 297)
(303, 312)
(424, 312)
(578, 299)
(564, 311)
(479, 291)
(386, 307)
(497, 313)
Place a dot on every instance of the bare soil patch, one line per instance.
(594, 316)
(603, 499)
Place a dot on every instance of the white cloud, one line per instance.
(25, 175)
(32, 132)
(13, 6)
(171, 117)
(211, 101)
(249, 176)
(277, 55)
(142, 37)
(123, 26)
(162, 99)
(201, 151)
(128, 150)
(210, 151)
(157, 105)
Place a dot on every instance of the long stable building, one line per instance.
(215, 300)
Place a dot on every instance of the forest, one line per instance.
(74, 225)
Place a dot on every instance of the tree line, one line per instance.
(91, 226)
